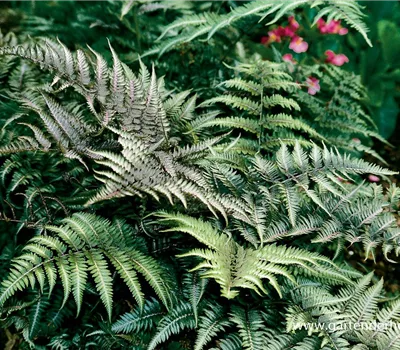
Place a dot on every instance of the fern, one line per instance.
(234, 267)
(211, 323)
(83, 244)
(311, 180)
(141, 125)
(250, 328)
(347, 10)
(139, 319)
(275, 226)
(179, 318)
(263, 86)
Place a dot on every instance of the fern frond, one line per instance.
(81, 247)
(235, 267)
(211, 322)
(179, 318)
(250, 328)
(140, 319)
(347, 10)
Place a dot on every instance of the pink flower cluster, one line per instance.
(332, 27)
(277, 34)
(335, 59)
(297, 44)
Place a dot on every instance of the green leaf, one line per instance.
(387, 116)
(389, 36)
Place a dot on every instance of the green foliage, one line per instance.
(208, 24)
(378, 69)
(213, 205)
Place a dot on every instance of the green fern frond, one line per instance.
(81, 247)
(211, 323)
(364, 308)
(249, 125)
(235, 267)
(250, 328)
(140, 319)
(194, 288)
(183, 22)
(179, 318)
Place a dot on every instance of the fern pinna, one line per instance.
(216, 208)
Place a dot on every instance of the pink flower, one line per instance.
(373, 178)
(273, 36)
(333, 27)
(297, 44)
(290, 60)
(313, 85)
(293, 24)
(280, 32)
(288, 57)
(320, 24)
(356, 140)
(337, 60)
(287, 31)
